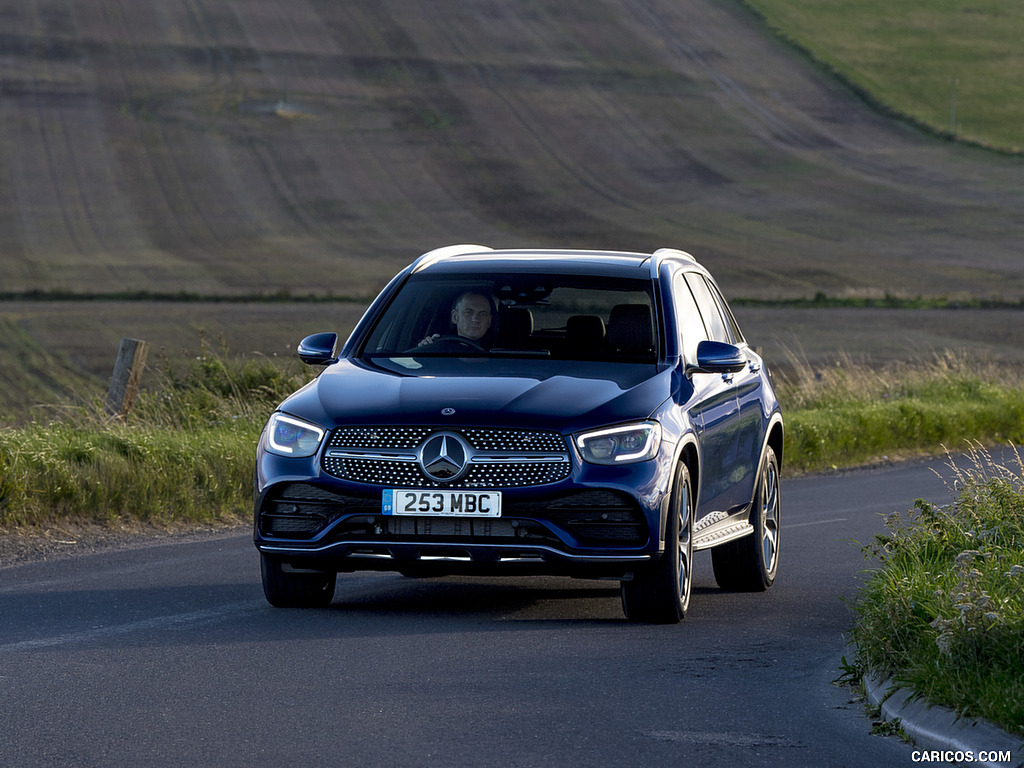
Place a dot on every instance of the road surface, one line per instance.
(168, 655)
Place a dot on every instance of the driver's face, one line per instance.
(472, 316)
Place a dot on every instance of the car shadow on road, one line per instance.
(535, 599)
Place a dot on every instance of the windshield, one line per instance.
(565, 317)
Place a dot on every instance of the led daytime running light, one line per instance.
(291, 437)
(620, 445)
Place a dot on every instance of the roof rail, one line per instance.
(668, 253)
(447, 251)
(674, 253)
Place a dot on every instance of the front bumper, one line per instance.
(593, 520)
(317, 527)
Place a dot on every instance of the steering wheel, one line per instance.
(456, 339)
(447, 342)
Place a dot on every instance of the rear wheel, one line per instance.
(751, 563)
(660, 594)
(295, 590)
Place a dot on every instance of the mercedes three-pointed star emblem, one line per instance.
(444, 456)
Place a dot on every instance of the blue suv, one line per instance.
(591, 414)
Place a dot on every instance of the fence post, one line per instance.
(124, 382)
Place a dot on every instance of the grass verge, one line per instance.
(111, 472)
(944, 612)
(849, 414)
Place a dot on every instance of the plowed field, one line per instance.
(222, 148)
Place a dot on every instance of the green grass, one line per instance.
(944, 612)
(849, 414)
(108, 473)
(955, 67)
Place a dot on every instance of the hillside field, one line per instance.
(218, 162)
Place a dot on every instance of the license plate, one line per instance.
(442, 503)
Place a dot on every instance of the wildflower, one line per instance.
(966, 557)
(947, 633)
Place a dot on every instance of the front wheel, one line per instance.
(751, 563)
(660, 594)
(295, 590)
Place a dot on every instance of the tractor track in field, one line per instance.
(526, 118)
(174, 181)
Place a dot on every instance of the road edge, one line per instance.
(936, 728)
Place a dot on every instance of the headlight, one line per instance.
(288, 436)
(620, 445)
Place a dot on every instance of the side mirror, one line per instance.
(318, 349)
(718, 357)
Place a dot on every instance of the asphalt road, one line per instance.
(168, 655)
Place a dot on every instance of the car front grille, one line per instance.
(499, 458)
(483, 439)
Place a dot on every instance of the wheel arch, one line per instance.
(687, 452)
(690, 456)
(776, 437)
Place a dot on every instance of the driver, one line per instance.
(472, 314)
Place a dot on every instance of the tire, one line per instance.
(750, 564)
(660, 593)
(296, 590)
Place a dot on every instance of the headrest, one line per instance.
(630, 328)
(516, 323)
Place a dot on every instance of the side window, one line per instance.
(691, 325)
(718, 329)
(734, 327)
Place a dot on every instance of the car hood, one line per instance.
(535, 395)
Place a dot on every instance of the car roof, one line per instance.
(463, 258)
